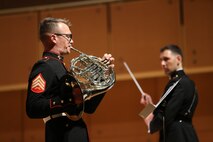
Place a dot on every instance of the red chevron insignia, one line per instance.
(38, 84)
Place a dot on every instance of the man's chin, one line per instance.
(67, 51)
(167, 72)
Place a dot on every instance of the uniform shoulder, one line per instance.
(48, 66)
(41, 65)
(47, 61)
(186, 82)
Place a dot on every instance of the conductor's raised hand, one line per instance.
(146, 99)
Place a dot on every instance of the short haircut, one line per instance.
(174, 48)
(49, 24)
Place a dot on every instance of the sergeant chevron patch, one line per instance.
(38, 84)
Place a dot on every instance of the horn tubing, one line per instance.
(76, 50)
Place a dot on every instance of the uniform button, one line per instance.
(62, 101)
(180, 121)
(70, 100)
(53, 103)
(67, 125)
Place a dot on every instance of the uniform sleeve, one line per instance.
(43, 93)
(92, 104)
(171, 110)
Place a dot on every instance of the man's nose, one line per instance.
(71, 41)
(163, 63)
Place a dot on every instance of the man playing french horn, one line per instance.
(60, 96)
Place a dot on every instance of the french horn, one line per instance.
(93, 77)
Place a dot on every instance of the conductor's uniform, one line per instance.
(174, 116)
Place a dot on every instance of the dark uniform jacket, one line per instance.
(173, 118)
(45, 99)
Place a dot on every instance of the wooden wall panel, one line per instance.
(19, 47)
(140, 29)
(9, 4)
(130, 131)
(198, 33)
(203, 126)
(89, 28)
(11, 120)
(204, 86)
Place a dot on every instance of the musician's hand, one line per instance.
(108, 60)
(146, 99)
(148, 119)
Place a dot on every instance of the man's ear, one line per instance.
(49, 41)
(179, 58)
(53, 38)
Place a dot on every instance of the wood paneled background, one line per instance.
(133, 31)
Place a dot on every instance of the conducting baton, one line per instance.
(134, 79)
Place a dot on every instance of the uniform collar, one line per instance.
(177, 74)
(53, 55)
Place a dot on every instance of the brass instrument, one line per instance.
(93, 76)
